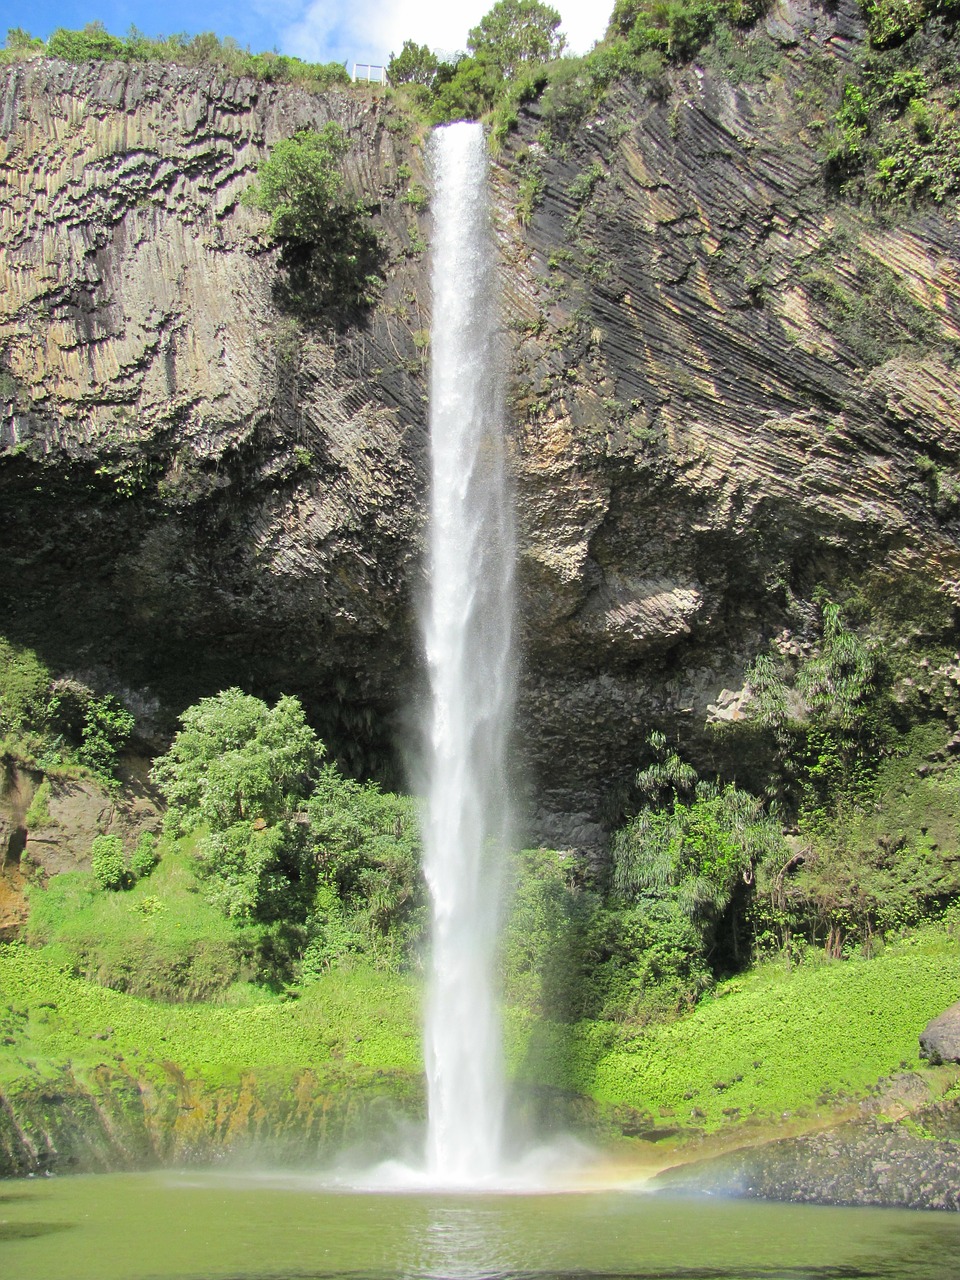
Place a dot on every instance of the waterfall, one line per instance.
(467, 627)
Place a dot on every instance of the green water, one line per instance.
(188, 1226)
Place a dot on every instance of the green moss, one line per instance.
(38, 814)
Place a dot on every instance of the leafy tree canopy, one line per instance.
(238, 760)
(414, 64)
(328, 250)
(515, 32)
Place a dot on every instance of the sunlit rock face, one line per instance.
(200, 494)
(197, 487)
(702, 436)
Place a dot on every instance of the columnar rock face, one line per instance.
(729, 385)
(199, 487)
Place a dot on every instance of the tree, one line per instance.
(328, 250)
(694, 843)
(238, 760)
(516, 32)
(242, 770)
(367, 850)
(414, 64)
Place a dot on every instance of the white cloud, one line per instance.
(370, 30)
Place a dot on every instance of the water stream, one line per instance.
(467, 626)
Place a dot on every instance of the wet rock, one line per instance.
(940, 1038)
(862, 1163)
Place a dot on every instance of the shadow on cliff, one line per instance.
(335, 283)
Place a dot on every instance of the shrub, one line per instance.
(107, 728)
(203, 50)
(18, 39)
(697, 846)
(145, 856)
(329, 253)
(318, 866)
(469, 93)
(93, 42)
(895, 135)
(107, 862)
(366, 847)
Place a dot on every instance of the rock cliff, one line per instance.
(200, 489)
(728, 385)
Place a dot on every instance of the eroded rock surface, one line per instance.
(203, 495)
(199, 488)
(872, 1163)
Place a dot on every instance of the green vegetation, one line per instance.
(160, 938)
(206, 50)
(363, 1016)
(516, 34)
(892, 21)
(107, 862)
(58, 724)
(316, 868)
(619, 992)
(329, 254)
(896, 135)
(782, 1039)
(38, 814)
(415, 64)
(874, 315)
(704, 881)
(516, 55)
(778, 1040)
(694, 845)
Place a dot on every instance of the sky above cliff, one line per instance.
(319, 30)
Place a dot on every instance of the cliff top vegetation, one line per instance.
(94, 43)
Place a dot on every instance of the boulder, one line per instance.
(940, 1038)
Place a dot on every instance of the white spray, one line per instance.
(467, 628)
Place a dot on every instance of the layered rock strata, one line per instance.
(729, 386)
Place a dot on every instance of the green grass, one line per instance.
(771, 1041)
(766, 1043)
(49, 1019)
(161, 939)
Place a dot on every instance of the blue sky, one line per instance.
(320, 30)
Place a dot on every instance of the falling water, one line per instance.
(467, 627)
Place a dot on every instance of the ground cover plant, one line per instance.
(780, 1039)
(49, 1018)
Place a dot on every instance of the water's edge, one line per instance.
(108, 1121)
